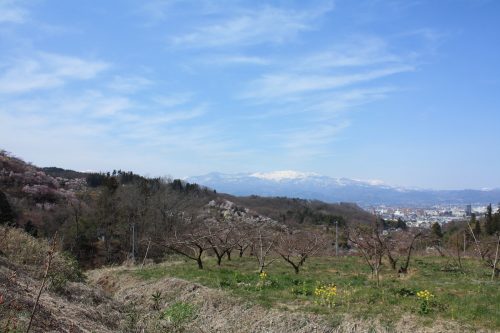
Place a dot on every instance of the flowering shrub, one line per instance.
(425, 296)
(326, 294)
(263, 280)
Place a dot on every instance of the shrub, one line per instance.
(405, 292)
(179, 314)
(425, 297)
(22, 248)
(156, 298)
(301, 288)
(326, 294)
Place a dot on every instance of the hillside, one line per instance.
(95, 211)
(300, 211)
(52, 185)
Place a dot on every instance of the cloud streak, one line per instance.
(267, 25)
(46, 71)
(234, 60)
(359, 51)
(11, 12)
(283, 85)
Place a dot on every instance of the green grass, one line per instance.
(470, 298)
(179, 313)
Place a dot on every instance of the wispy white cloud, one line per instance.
(160, 118)
(172, 100)
(234, 60)
(157, 10)
(311, 139)
(321, 89)
(358, 51)
(250, 27)
(12, 12)
(45, 71)
(129, 84)
(104, 116)
(283, 85)
(314, 136)
(327, 105)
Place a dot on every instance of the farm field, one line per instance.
(469, 297)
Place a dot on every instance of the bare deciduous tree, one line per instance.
(296, 247)
(484, 250)
(189, 241)
(264, 241)
(220, 238)
(366, 240)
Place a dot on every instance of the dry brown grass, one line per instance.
(21, 248)
(219, 312)
(86, 308)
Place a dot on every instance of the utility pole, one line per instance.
(133, 241)
(336, 238)
(464, 242)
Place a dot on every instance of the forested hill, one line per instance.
(94, 212)
(301, 211)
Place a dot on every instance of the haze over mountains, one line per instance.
(328, 189)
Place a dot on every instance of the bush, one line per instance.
(179, 314)
(302, 288)
(22, 248)
(405, 292)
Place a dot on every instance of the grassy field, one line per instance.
(469, 297)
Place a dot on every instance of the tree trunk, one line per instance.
(392, 261)
(228, 255)
(496, 271)
(219, 259)
(404, 269)
(200, 263)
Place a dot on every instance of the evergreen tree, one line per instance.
(6, 211)
(475, 225)
(496, 220)
(31, 229)
(489, 225)
(401, 224)
(436, 230)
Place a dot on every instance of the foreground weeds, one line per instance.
(342, 286)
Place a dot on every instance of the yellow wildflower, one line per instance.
(326, 294)
(425, 295)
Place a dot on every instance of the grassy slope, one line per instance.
(471, 299)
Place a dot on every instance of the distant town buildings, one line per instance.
(468, 210)
(425, 217)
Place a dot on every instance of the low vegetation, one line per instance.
(343, 286)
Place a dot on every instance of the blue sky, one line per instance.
(402, 91)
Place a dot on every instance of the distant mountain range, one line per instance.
(313, 186)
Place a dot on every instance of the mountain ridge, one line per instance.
(308, 185)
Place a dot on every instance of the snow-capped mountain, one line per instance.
(308, 185)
